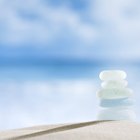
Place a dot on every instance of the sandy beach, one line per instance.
(95, 130)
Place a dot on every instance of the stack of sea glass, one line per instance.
(115, 98)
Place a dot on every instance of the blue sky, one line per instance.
(101, 29)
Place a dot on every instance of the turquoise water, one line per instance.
(49, 94)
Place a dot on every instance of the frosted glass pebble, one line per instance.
(123, 102)
(112, 75)
(116, 114)
(114, 84)
(114, 93)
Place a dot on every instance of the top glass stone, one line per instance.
(108, 75)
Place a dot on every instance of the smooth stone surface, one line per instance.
(114, 93)
(114, 84)
(116, 102)
(112, 75)
(117, 114)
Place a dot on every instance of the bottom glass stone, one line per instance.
(116, 114)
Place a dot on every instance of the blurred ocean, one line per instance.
(49, 94)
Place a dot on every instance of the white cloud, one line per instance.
(108, 27)
(36, 22)
(120, 26)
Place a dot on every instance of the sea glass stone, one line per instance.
(114, 84)
(112, 75)
(117, 114)
(114, 93)
(115, 99)
(123, 102)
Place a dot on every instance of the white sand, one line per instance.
(96, 130)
